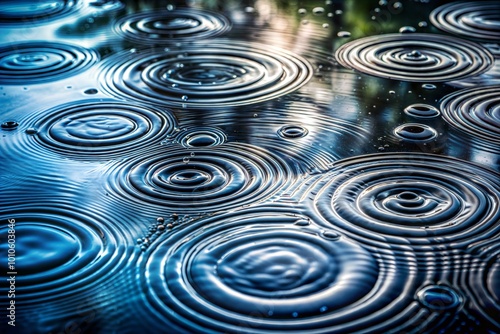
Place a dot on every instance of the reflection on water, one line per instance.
(251, 166)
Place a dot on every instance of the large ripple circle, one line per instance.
(415, 57)
(60, 249)
(475, 111)
(31, 11)
(36, 62)
(262, 271)
(211, 75)
(418, 198)
(469, 19)
(175, 26)
(201, 179)
(102, 127)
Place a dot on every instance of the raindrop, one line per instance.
(9, 125)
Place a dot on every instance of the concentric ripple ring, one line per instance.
(31, 11)
(102, 127)
(92, 249)
(469, 19)
(418, 198)
(198, 180)
(264, 270)
(36, 62)
(475, 111)
(415, 57)
(168, 27)
(211, 75)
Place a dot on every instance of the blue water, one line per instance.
(249, 167)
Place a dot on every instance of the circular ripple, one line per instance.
(472, 19)
(198, 137)
(292, 131)
(60, 249)
(415, 132)
(36, 62)
(23, 11)
(406, 198)
(422, 111)
(415, 57)
(172, 26)
(102, 127)
(439, 298)
(475, 111)
(264, 270)
(205, 75)
(201, 179)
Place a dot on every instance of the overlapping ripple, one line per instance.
(483, 280)
(205, 75)
(93, 249)
(102, 128)
(415, 57)
(201, 180)
(411, 198)
(36, 62)
(475, 111)
(31, 11)
(470, 19)
(168, 27)
(269, 270)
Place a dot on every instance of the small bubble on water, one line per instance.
(9, 125)
(192, 154)
(249, 9)
(170, 7)
(422, 24)
(91, 91)
(338, 12)
(325, 25)
(184, 98)
(302, 11)
(397, 5)
(318, 11)
(255, 115)
(344, 34)
(429, 86)
(295, 314)
(407, 30)
(31, 131)
(323, 309)
(392, 92)
(331, 235)
(160, 219)
(304, 22)
(185, 160)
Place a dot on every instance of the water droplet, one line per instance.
(31, 131)
(331, 235)
(438, 297)
(339, 12)
(91, 91)
(9, 125)
(302, 11)
(184, 98)
(407, 30)
(185, 160)
(325, 25)
(422, 24)
(318, 11)
(344, 34)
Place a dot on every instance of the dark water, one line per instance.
(250, 167)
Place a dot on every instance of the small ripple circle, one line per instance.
(415, 132)
(31, 11)
(415, 57)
